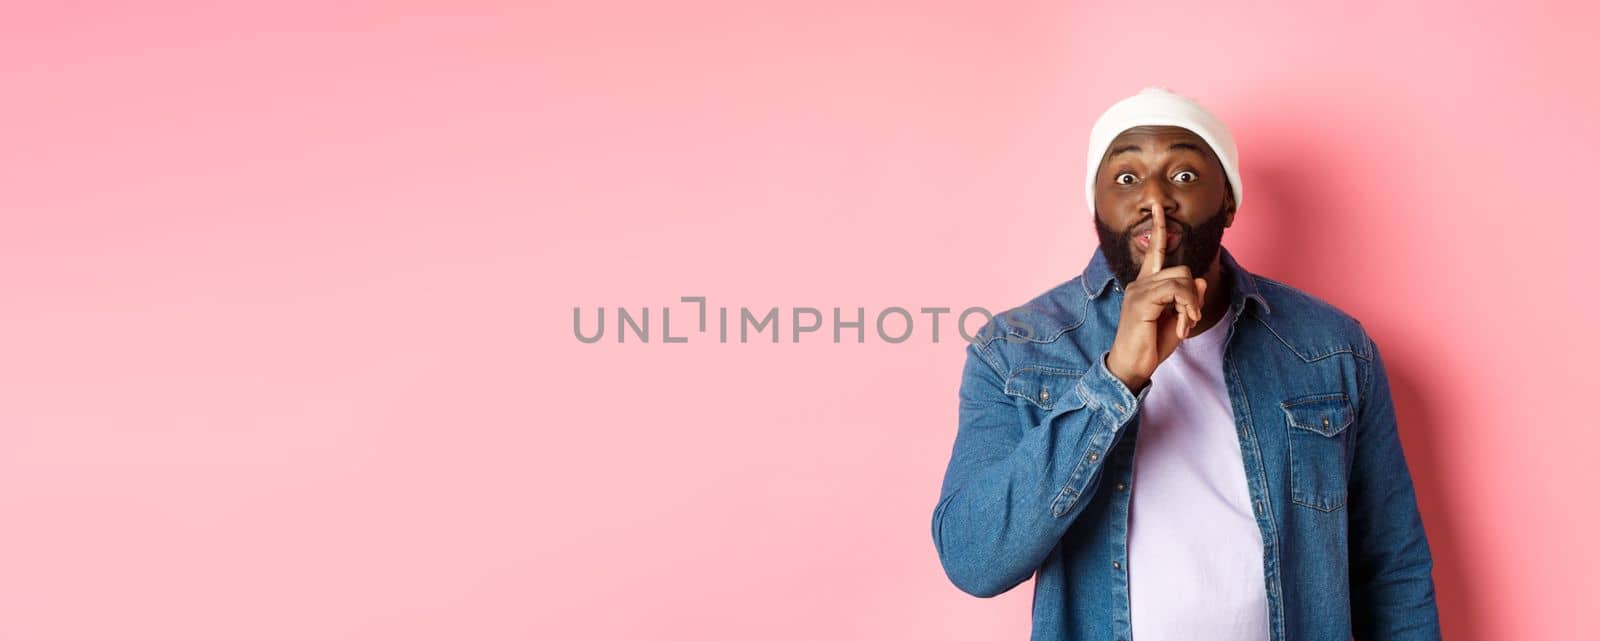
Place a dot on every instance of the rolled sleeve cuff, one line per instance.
(1104, 392)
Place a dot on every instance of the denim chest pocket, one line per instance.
(1047, 388)
(1318, 427)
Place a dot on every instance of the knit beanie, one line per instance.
(1158, 106)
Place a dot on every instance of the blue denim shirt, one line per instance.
(1041, 474)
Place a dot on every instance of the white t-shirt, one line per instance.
(1194, 551)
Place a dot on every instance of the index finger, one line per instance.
(1158, 245)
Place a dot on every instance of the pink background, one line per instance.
(287, 297)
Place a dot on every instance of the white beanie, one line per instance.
(1157, 106)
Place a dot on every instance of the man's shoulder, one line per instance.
(1307, 324)
(1043, 318)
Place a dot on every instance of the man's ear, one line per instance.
(1228, 204)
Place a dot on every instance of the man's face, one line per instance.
(1169, 167)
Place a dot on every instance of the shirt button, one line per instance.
(1121, 487)
(1094, 456)
(1245, 431)
(1044, 395)
(1324, 421)
(1258, 507)
(1116, 565)
(1118, 406)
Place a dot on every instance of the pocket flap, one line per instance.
(1045, 386)
(1325, 414)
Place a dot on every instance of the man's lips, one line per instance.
(1174, 237)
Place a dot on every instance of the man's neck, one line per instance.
(1219, 294)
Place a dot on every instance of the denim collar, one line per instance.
(1097, 276)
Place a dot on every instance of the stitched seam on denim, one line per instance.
(1046, 369)
(1093, 294)
(1043, 339)
(1318, 507)
(1082, 314)
(990, 332)
(1071, 374)
(1309, 502)
(1078, 471)
(1265, 489)
(992, 360)
(1088, 399)
(1312, 358)
(1057, 509)
(1358, 353)
(1257, 279)
(1313, 501)
(1348, 412)
(1062, 511)
(1312, 398)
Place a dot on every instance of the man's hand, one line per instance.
(1159, 309)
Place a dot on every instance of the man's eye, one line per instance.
(1185, 177)
(1124, 179)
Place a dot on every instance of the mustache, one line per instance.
(1145, 223)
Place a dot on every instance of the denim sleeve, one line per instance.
(1012, 488)
(1391, 568)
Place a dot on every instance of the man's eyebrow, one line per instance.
(1184, 145)
(1123, 149)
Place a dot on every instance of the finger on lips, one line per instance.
(1158, 239)
(1152, 269)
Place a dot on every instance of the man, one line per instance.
(1175, 447)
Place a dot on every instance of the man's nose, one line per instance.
(1155, 199)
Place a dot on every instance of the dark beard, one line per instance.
(1199, 246)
